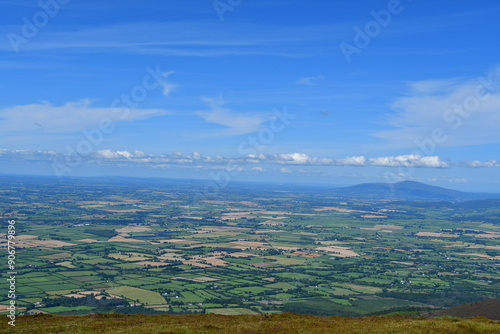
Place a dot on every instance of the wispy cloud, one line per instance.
(234, 123)
(463, 112)
(66, 118)
(309, 81)
(481, 164)
(202, 38)
(285, 171)
(167, 87)
(18, 3)
(208, 38)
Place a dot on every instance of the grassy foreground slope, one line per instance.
(288, 323)
(489, 308)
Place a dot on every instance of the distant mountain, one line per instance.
(408, 190)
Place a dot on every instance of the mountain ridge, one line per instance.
(409, 190)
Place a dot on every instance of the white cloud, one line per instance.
(298, 159)
(234, 123)
(463, 112)
(293, 158)
(309, 81)
(352, 161)
(69, 117)
(20, 155)
(108, 154)
(412, 160)
(167, 87)
(458, 180)
(259, 161)
(433, 86)
(390, 161)
(480, 164)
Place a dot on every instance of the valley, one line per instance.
(93, 245)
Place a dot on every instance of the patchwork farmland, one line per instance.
(147, 247)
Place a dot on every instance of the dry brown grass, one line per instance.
(338, 251)
(245, 324)
(121, 238)
(123, 211)
(42, 243)
(242, 254)
(437, 235)
(130, 229)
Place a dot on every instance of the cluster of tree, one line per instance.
(104, 305)
(443, 299)
(102, 233)
(316, 306)
(84, 301)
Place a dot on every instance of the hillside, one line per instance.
(409, 190)
(286, 323)
(489, 308)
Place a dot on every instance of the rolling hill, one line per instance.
(489, 308)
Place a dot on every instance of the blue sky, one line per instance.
(338, 92)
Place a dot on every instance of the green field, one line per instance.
(143, 296)
(248, 248)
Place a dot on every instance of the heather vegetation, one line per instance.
(247, 324)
